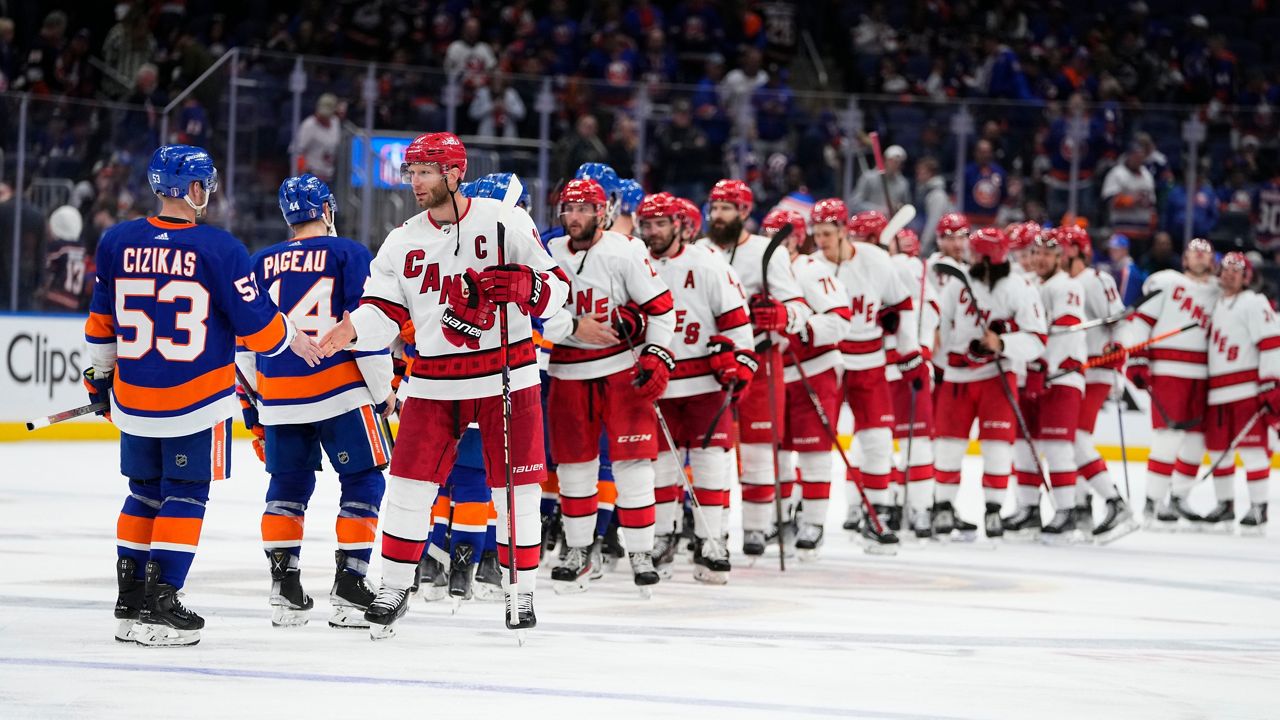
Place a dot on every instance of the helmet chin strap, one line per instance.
(327, 217)
(198, 208)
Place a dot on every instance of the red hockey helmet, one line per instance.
(990, 243)
(1076, 237)
(583, 191)
(1025, 234)
(868, 224)
(778, 217)
(690, 214)
(952, 223)
(908, 242)
(1237, 261)
(658, 205)
(732, 191)
(1200, 245)
(442, 148)
(830, 210)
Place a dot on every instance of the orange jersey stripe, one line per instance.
(440, 511)
(471, 513)
(356, 530)
(100, 325)
(281, 528)
(607, 492)
(218, 461)
(295, 388)
(177, 531)
(373, 431)
(268, 337)
(492, 511)
(169, 225)
(134, 529)
(138, 397)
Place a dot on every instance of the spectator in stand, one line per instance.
(8, 54)
(697, 27)
(1129, 278)
(774, 105)
(624, 140)
(1163, 255)
(317, 140)
(985, 186)
(1152, 159)
(1129, 192)
(657, 63)
(65, 288)
(31, 244)
(737, 88)
(497, 109)
(932, 202)
(614, 60)
(193, 123)
(1061, 146)
(470, 58)
(128, 45)
(140, 129)
(40, 74)
(708, 105)
(1001, 75)
(682, 154)
(560, 30)
(1204, 207)
(580, 146)
(1266, 227)
(641, 18)
(868, 193)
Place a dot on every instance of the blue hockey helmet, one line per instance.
(302, 199)
(174, 167)
(632, 194)
(468, 189)
(502, 181)
(601, 173)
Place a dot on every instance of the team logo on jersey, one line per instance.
(180, 460)
(986, 192)
(343, 457)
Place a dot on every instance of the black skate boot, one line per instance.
(992, 522)
(788, 537)
(1160, 518)
(525, 617)
(1221, 518)
(461, 566)
(921, 523)
(1117, 523)
(645, 574)
(551, 530)
(686, 528)
(808, 540)
(944, 519)
(1061, 529)
(290, 604)
(488, 579)
(1254, 522)
(611, 550)
(1187, 516)
(711, 561)
(894, 521)
(853, 519)
(880, 543)
(388, 606)
(753, 543)
(1084, 519)
(1024, 524)
(164, 621)
(131, 598)
(573, 574)
(433, 579)
(350, 596)
(664, 553)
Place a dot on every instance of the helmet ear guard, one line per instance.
(173, 168)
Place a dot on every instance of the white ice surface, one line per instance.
(1153, 626)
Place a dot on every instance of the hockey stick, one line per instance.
(911, 436)
(1108, 320)
(835, 439)
(903, 216)
(963, 277)
(513, 578)
(772, 350)
(1122, 353)
(715, 419)
(1124, 451)
(1239, 438)
(1168, 422)
(47, 420)
(248, 389)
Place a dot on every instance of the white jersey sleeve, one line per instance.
(1025, 340)
(1063, 298)
(384, 306)
(652, 295)
(1244, 348)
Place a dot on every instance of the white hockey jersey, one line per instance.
(940, 281)
(1101, 299)
(1013, 303)
(1182, 301)
(410, 279)
(708, 301)
(611, 273)
(1063, 300)
(874, 289)
(1244, 347)
(747, 259)
(909, 270)
(828, 298)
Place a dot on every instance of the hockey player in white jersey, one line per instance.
(806, 444)
(1176, 372)
(777, 309)
(1101, 299)
(446, 269)
(1004, 319)
(953, 240)
(714, 355)
(1051, 407)
(878, 300)
(1244, 379)
(610, 382)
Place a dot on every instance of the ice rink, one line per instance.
(1170, 626)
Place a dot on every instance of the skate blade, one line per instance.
(285, 617)
(710, 577)
(1222, 528)
(1127, 527)
(348, 617)
(1253, 531)
(807, 554)
(1067, 538)
(666, 572)
(646, 592)
(875, 548)
(484, 592)
(455, 605)
(607, 566)
(149, 635)
(1022, 538)
(521, 638)
(381, 632)
(1160, 526)
(569, 587)
(125, 630)
(434, 593)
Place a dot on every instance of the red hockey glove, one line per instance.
(629, 321)
(734, 368)
(1139, 372)
(512, 283)
(1116, 359)
(653, 370)
(914, 370)
(978, 354)
(889, 320)
(99, 389)
(767, 314)
(1271, 398)
(1035, 382)
(469, 314)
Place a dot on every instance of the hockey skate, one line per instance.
(1188, 518)
(433, 578)
(921, 522)
(753, 543)
(290, 604)
(894, 520)
(130, 600)
(525, 617)
(573, 574)
(611, 551)
(645, 574)
(1220, 519)
(1023, 525)
(1117, 523)
(387, 607)
(879, 543)
(711, 561)
(853, 519)
(488, 579)
(1084, 520)
(664, 554)
(788, 538)
(1159, 519)
(992, 523)
(164, 621)
(350, 596)
(597, 559)
(1061, 530)
(1254, 522)
(551, 531)
(809, 540)
(948, 527)
(461, 566)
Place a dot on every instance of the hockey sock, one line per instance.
(606, 504)
(491, 531)
(1257, 473)
(919, 473)
(711, 473)
(815, 485)
(136, 521)
(405, 524)
(578, 501)
(357, 523)
(528, 535)
(877, 462)
(176, 532)
(997, 463)
(1164, 452)
(1060, 456)
(950, 454)
(667, 488)
(1224, 482)
(470, 494)
(634, 479)
(757, 486)
(1027, 492)
(438, 541)
(285, 514)
(1187, 466)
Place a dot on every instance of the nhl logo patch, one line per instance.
(343, 457)
(180, 460)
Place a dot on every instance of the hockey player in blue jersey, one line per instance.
(295, 411)
(169, 301)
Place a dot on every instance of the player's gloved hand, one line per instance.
(978, 354)
(1115, 356)
(513, 283)
(733, 368)
(98, 386)
(889, 320)
(399, 370)
(469, 314)
(408, 333)
(251, 421)
(1270, 398)
(914, 370)
(939, 372)
(767, 314)
(1139, 372)
(1035, 388)
(629, 321)
(653, 370)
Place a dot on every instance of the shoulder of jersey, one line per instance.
(1165, 278)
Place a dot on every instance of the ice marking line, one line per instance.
(248, 674)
